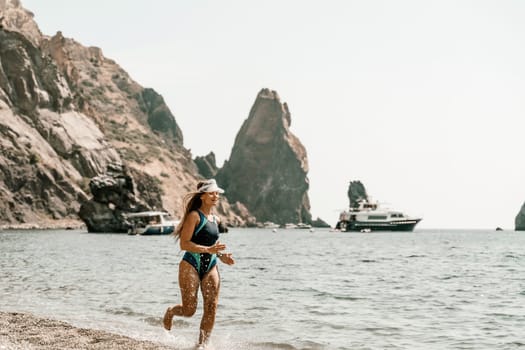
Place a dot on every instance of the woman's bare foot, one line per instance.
(168, 318)
(204, 338)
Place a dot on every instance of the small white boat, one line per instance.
(290, 225)
(150, 223)
(269, 224)
(303, 226)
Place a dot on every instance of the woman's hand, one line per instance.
(227, 258)
(216, 248)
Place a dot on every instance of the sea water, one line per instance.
(289, 289)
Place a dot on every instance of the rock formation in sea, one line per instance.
(356, 193)
(267, 169)
(207, 166)
(66, 113)
(519, 222)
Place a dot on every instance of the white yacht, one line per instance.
(369, 216)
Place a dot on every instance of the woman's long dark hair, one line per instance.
(192, 201)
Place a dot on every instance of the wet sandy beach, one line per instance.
(25, 331)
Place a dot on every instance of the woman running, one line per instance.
(198, 234)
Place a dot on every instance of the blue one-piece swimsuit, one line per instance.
(206, 234)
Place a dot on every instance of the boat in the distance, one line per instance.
(270, 225)
(300, 226)
(303, 226)
(369, 216)
(150, 223)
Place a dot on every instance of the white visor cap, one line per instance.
(210, 186)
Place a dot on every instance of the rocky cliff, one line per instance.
(66, 113)
(267, 169)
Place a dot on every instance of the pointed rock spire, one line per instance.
(268, 166)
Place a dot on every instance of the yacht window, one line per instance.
(376, 217)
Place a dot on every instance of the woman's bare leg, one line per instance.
(189, 286)
(210, 286)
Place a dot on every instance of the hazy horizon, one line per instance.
(419, 100)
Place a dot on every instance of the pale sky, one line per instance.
(423, 101)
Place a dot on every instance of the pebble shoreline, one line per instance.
(22, 331)
(63, 224)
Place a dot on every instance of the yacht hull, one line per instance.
(364, 226)
(157, 230)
